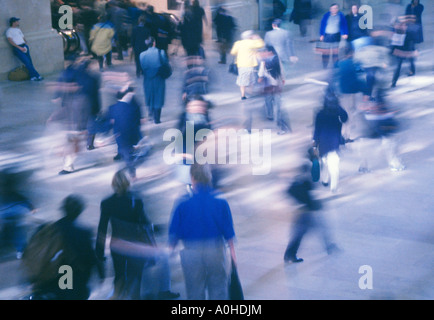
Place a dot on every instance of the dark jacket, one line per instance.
(302, 11)
(126, 215)
(328, 127)
(126, 117)
(354, 30)
(138, 37)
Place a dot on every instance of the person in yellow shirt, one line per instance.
(244, 51)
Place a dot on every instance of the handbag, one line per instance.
(235, 289)
(19, 74)
(315, 169)
(233, 68)
(165, 69)
(398, 39)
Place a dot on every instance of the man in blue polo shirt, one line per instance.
(203, 223)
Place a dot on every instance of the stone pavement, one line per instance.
(381, 219)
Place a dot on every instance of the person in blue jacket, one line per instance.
(126, 116)
(333, 28)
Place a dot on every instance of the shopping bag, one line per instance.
(235, 289)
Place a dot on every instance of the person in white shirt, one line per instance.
(20, 48)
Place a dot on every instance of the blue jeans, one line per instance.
(27, 60)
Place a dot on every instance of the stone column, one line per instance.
(46, 45)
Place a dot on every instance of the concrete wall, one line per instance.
(46, 46)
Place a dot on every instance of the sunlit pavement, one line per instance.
(380, 219)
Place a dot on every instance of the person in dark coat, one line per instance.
(354, 30)
(154, 85)
(301, 15)
(119, 17)
(225, 29)
(308, 216)
(415, 8)
(125, 213)
(126, 116)
(327, 137)
(139, 35)
(191, 35)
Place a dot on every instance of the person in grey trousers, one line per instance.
(203, 223)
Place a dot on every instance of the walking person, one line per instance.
(308, 216)
(225, 29)
(132, 243)
(126, 118)
(406, 50)
(64, 243)
(203, 223)
(301, 15)
(154, 85)
(415, 9)
(270, 74)
(333, 28)
(245, 51)
(327, 138)
(74, 113)
(101, 37)
(139, 35)
(20, 48)
(281, 40)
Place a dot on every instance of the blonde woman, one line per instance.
(244, 51)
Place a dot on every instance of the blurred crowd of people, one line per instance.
(355, 109)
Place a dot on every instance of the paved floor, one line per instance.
(381, 219)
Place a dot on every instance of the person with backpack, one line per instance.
(59, 258)
(101, 36)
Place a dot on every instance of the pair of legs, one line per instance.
(331, 49)
(330, 169)
(388, 145)
(273, 98)
(223, 48)
(27, 60)
(398, 69)
(128, 277)
(205, 272)
(305, 222)
(156, 281)
(246, 77)
(108, 58)
(155, 114)
(333, 53)
(71, 150)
